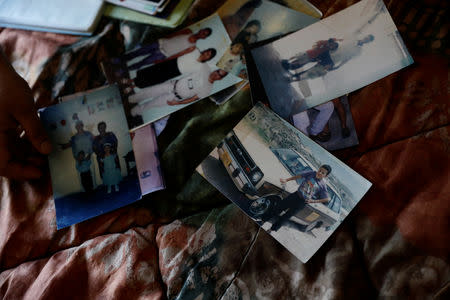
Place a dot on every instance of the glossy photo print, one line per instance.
(330, 58)
(92, 165)
(248, 22)
(329, 124)
(235, 14)
(290, 186)
(162, 77)
(146, 155)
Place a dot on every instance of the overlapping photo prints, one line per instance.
(330, 58)
(290, 186)
(255, 20)
(164, 76)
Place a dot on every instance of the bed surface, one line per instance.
(190, 242)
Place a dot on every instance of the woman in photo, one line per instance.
(249, 34)
(111, 169)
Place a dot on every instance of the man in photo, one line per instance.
(181, 42)
(333, 59)
(320, 53)
(313, 189)
(81, 144)
(81, 141)
(99, 142)
(183, 90)
(161, 72)
(349, 50)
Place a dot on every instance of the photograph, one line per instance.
(251, 21)
(92, 166)
(290, 186)
(330, 58)
(303, 6)
(329, 124)
(162, 77)
(146, 155)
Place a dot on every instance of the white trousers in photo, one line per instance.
(159, 95)
(301, 120)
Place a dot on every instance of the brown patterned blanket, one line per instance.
(190, 242)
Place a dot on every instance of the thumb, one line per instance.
(34, 131)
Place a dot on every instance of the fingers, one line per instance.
(34, 130)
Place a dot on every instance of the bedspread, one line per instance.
(190, 242)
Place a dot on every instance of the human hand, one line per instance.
(19, 126)
(283, 180)
(310, 201)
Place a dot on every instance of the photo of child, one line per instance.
(92, 164)
(83, 166)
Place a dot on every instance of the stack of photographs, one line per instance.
(160, 78)
(150, 7)
(301, 72)
(288, 184)
(273, 164)
(173, 15)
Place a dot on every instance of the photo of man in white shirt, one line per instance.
(158, 73)
(185, 89)
(181, 42)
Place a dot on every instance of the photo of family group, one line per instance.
(92, 165)
(255, 20)
(330, 58)
(290, 186)
(164, 76)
